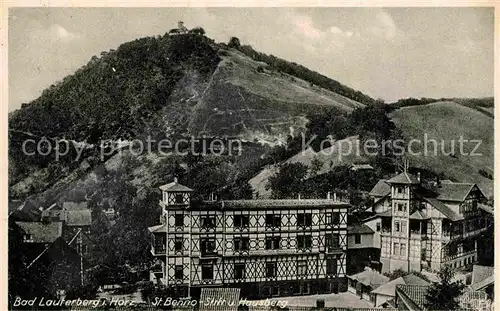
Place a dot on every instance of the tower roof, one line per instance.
(175, 187)
(404, 178)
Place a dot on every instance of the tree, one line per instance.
(198, 31)
(234, 43)
(288, 181)
(444, 295)
(316, 166)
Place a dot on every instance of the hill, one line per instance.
(446, 122)
(165, 86)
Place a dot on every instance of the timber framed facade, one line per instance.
(265, 247)
(422, 227)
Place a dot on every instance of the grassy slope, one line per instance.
(240, 101)
(445, 121)
(330, 157)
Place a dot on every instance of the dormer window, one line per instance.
(28, 238)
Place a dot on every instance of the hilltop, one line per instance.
(168, 86)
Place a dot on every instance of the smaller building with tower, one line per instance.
(264, 247)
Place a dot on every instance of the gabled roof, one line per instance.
(449, 191)
(445, 210)
(404, 178)
(41, 232)
(389, 289)
(415, 293)
(418, 215)
(359, 229)
(76, 214)
(175, 187)
(370, 278)
(381, 189)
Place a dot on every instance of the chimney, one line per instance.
(175, 179)
(335, 196)
(328, 195)
(299, 196)
(418, 177)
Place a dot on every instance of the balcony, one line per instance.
(209, 254)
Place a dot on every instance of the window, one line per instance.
(331, 266)
(241, 244)
(301, 268)
(333, 218)
(179, 198)
(270, 269)
(400, 190)
(207, 271)
(28, 237)
(357, 238)
(403, 249)
(84, 249)
(378, 226)
(273, 242)
(178, 244)
(304, 220)
(333, 240)
(239, 271)
(208, 222)
(396, 249)
(179, 220)
(397, 227)
(179, 272)
(241, 221)
(273, 220)
(401, 207)
(403, 226)
(207, 246)
(304, 241)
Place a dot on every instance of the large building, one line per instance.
(265, 247)
(425, 225)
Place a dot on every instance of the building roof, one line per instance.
(387, 213)
(404, 178)
(268, 203)
(76, 214)
(482, 276)
(229, 296)
(416, 293)
(361, 167)
(445, 210)
(359, 229)
(381, 189)
(175, 187)
(158, 228)
(453, 191)
(370, 278)
(389, 289)
(41, 232)
(418, 215)
(486, 208)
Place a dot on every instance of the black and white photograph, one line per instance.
(245, 158)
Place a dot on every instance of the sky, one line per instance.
(387, 53)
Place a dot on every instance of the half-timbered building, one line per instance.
(423, 226)
(265, 247)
